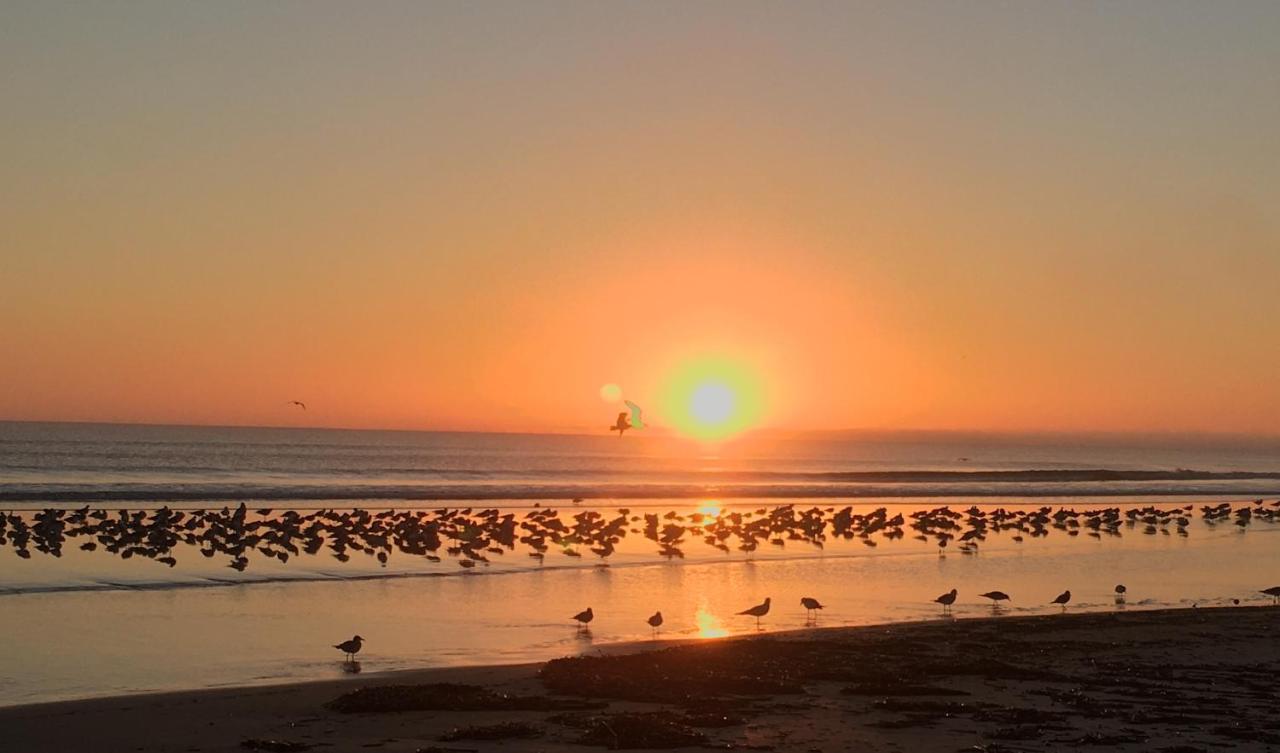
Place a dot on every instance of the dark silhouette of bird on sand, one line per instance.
(351, 647)
(584, 618)
(758, 611)
(946, 600)
(1273, 592)
(1120, 592)
(655, 622)
(1062, 599)
(811, 606)
(996, 597)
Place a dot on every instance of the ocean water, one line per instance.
(65, 463)
(91, 623)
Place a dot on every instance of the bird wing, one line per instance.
(636, 413)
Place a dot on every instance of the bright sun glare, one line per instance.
(713, 399)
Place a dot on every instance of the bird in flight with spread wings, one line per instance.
(298, 403)
(628, 420)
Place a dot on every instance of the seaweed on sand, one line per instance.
(504, 731)
(633, 730)
(446, 696)
(759, 667)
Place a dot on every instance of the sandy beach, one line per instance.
(1173, 680)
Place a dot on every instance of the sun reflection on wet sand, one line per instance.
(710, 508)
(708, 624)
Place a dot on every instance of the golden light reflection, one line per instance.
(710, 508)
(708, 624)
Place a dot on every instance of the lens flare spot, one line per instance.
(611, 393)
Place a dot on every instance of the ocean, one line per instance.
(82, 619)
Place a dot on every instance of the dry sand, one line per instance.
(1176, 681)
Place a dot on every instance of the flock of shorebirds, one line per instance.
(811, 605)
(474, 537)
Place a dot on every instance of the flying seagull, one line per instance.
(298, 403)
(636, 421)
(627, 420)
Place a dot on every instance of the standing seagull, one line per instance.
(996, 597)
(351, 647)
(298, 403)
(1062, 600)
(655, 622)
(1120, 592)
(1273, 592)
(584, 617)
(946, 600)
(811, 607)
(758, 611)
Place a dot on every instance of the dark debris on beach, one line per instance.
(1177, 681)
(447, 696)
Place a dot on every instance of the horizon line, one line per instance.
(768, 432)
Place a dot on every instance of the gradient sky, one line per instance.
(1005, 216)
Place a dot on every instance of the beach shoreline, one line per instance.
(1048, 678)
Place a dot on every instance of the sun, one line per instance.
(713, 398)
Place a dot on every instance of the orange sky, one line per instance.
(898, 216)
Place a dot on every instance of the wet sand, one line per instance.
(1176, 681)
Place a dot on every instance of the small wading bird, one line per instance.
(1062, 599)
(1120, 592)
(996, 597)
(298, 403)
(627, 420)
(655, 622)
(758, 611)
(584, 618)
(811, 607)
(351, 647)
(1273, 592)
(946, 600)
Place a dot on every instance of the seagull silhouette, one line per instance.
(811, 606)
(298, 403)
(584, 617)
(947, 599)
(625, 420)
(758, 611)
(1273, 592)
(655, 622)
(996, 597)
(351, 647)
(1062, 600)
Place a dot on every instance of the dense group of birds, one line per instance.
(474, 537)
